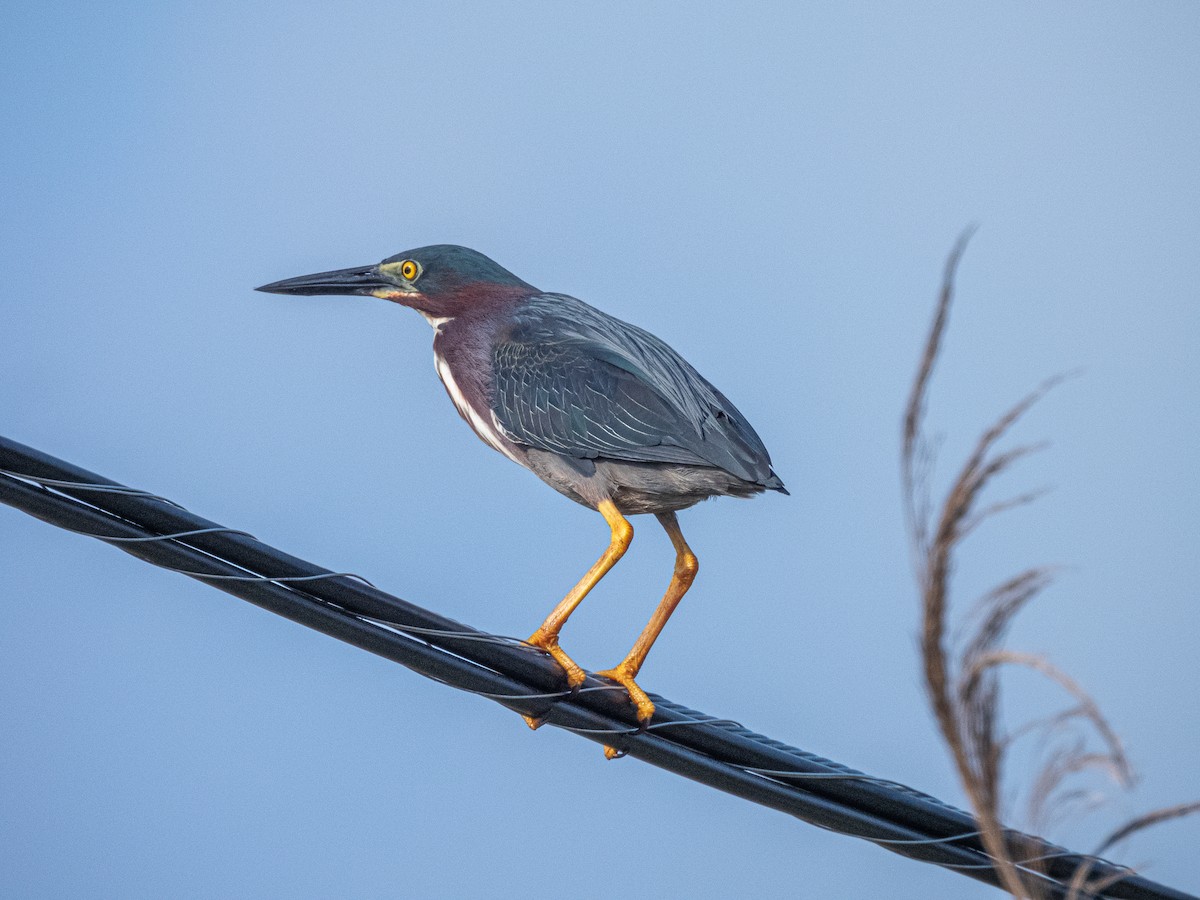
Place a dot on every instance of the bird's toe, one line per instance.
(639, 698)
(549, 643)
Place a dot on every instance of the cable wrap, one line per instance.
(717, 752)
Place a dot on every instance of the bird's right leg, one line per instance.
(546, 637)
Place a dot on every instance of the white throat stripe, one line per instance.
(486, 430)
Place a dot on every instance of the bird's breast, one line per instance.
(465, 372)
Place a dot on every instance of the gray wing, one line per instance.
(573, 380)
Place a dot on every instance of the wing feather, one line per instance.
(572, 380)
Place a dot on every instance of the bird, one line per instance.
(602, 411)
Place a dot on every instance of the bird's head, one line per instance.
(441, 281)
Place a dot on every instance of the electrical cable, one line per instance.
(714, 751)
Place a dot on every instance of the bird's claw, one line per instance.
(575, 674)
(645, 706)
(549, 643)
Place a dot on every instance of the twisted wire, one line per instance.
(714, 750)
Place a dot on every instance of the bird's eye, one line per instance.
(409, 269)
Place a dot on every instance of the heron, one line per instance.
(604, 412)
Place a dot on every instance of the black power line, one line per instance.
(716, 752)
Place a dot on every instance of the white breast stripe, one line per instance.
(486, 430)
(435, 321)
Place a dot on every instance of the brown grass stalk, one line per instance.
(964, 685)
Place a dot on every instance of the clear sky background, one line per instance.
(773, 190)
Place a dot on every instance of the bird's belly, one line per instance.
(482, 424)
(635, 487)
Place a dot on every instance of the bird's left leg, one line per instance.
(546, 637)
(686, 566)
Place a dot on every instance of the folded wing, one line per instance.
(572, 380)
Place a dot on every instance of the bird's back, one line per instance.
(573, 380)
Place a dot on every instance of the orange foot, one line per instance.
(575, 674)
(624, 677)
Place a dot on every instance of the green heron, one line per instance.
(602, 411)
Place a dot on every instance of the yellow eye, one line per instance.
(409, 269)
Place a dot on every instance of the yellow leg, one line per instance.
(686, 566)
(546, 637)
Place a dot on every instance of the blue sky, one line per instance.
(772, 190)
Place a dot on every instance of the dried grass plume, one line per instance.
(962, 677)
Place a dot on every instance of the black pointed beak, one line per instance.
(365, 280)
